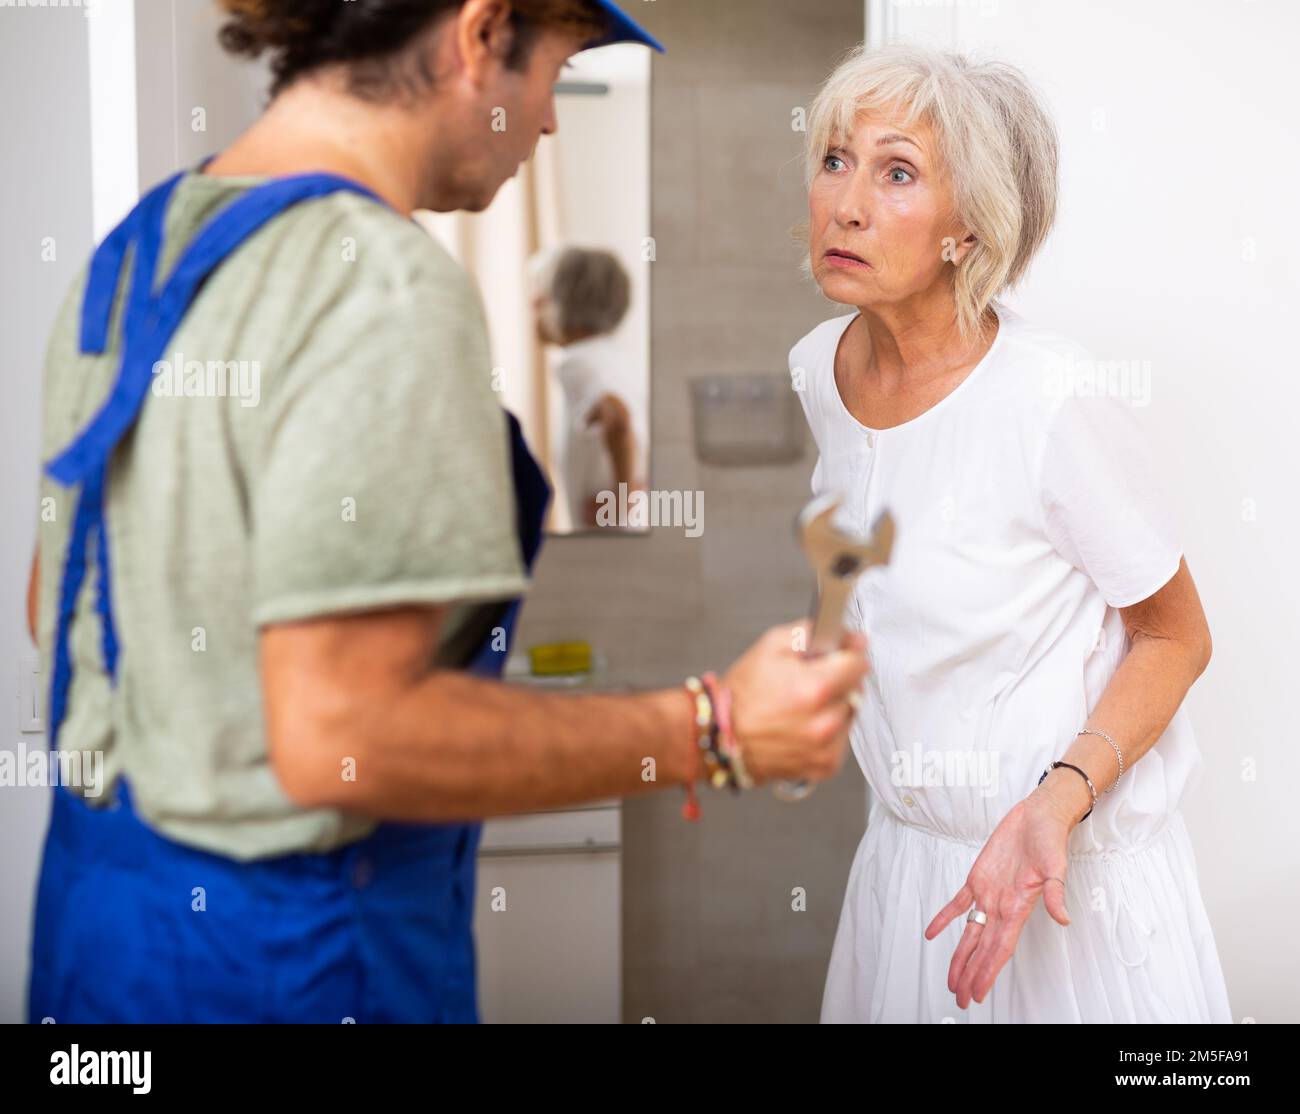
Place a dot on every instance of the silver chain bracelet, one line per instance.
(1118, 753)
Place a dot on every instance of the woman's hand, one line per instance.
(1024, 857)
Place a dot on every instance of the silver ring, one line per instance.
(976, 917)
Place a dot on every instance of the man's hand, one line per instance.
(792, 713)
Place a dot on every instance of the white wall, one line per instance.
(99, 105)
(45, 192)
(193, 98)
(1178, 245)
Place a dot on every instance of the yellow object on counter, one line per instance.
(560, 658)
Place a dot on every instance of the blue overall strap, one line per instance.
(221, 236)
(149, 324)
(74, 573)
(141, 230)
(106, 266)
(148, 238)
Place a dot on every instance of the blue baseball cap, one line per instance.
(624, 30)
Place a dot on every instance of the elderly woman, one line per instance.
(581, 296)
(1037, 628)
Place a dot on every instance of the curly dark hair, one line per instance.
(370, 37)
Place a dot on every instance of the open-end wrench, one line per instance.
(838, 558)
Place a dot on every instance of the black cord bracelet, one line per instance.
(1091, 788)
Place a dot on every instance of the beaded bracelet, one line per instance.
(705, 737)
(705, 733)
(701, 718)
(716, 766)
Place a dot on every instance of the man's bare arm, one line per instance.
(357, 693)
(34, 596)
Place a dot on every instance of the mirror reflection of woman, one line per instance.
(581, 296)
(1037, 628)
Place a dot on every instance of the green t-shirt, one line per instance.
(344, 452)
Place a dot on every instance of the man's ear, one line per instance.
(484, 34)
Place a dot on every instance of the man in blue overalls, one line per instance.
(281, 613)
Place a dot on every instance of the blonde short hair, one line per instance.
(997, 145)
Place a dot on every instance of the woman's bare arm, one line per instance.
(615, 419)
(1027, 851)
(1170, 650)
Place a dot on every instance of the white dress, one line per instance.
(587, 370)
(1026, 514)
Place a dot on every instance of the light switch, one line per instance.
(29, 697)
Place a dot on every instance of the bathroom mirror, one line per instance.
(562, 258)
